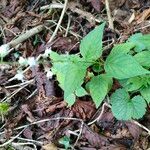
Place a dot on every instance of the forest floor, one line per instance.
(38, 117)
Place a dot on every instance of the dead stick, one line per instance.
(110, 20)
(59, 22)
(26, 35)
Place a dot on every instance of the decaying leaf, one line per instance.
(84, 109)
(96, 4)
(134, 129)
(94, 138)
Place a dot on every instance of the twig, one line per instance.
(59, 22)
(71, 32)
(140, 28)
(99, 117)
(9, 141)
(20, 84)
(16, 91)
(110, 20)
(84, 14)
(46, 120)
(22, 144)
(30, 140)
(79, 135)
(68, 25)
(26, 35)
(32, 94)
(53, 5)
(140, 125)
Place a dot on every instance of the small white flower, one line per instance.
(4, 50)
(32, 62)
(19, 76)
(22, 61)
(67, 53)
(47, 52)
(49, 74)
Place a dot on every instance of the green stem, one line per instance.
(1, 59)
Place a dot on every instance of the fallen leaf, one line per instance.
(96, 4)
(114, 147)
(28, 133)
(26, 109)
(107, 120)
(134, 129)
(84, 109)
(50, 146)
(66, 44)
(93, 138)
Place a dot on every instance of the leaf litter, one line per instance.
(43, 99)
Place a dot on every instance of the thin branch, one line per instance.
(110, 20)
(12, 139)
(79, 135)
(140, 125)
(99, 117)
(23, 144)
(46, 120)
(59, 22)
(53, 5)
(26, 35)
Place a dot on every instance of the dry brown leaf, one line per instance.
(49, 146)
(134, 129)
(96, 4)
(84, 109)
(114, 147)
(65, 44)
(93, 138)
(28, 133)
(106, 121)
(143, 16)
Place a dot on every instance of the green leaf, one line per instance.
(97, 68)
(70, 71)
(133, 84)
(99, 86)
(70, 99)
(4, 107)
(91, 44)
(125, 109)
(65, 141)
(74, 78)
(123, 48)
(145, 92)
(81, 92)
(122, 66)
(67, 70)
(136, 83)
(143, 58)
(141, 41)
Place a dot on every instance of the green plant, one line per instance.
(88, 73)
(65, 141)
(4, 108)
